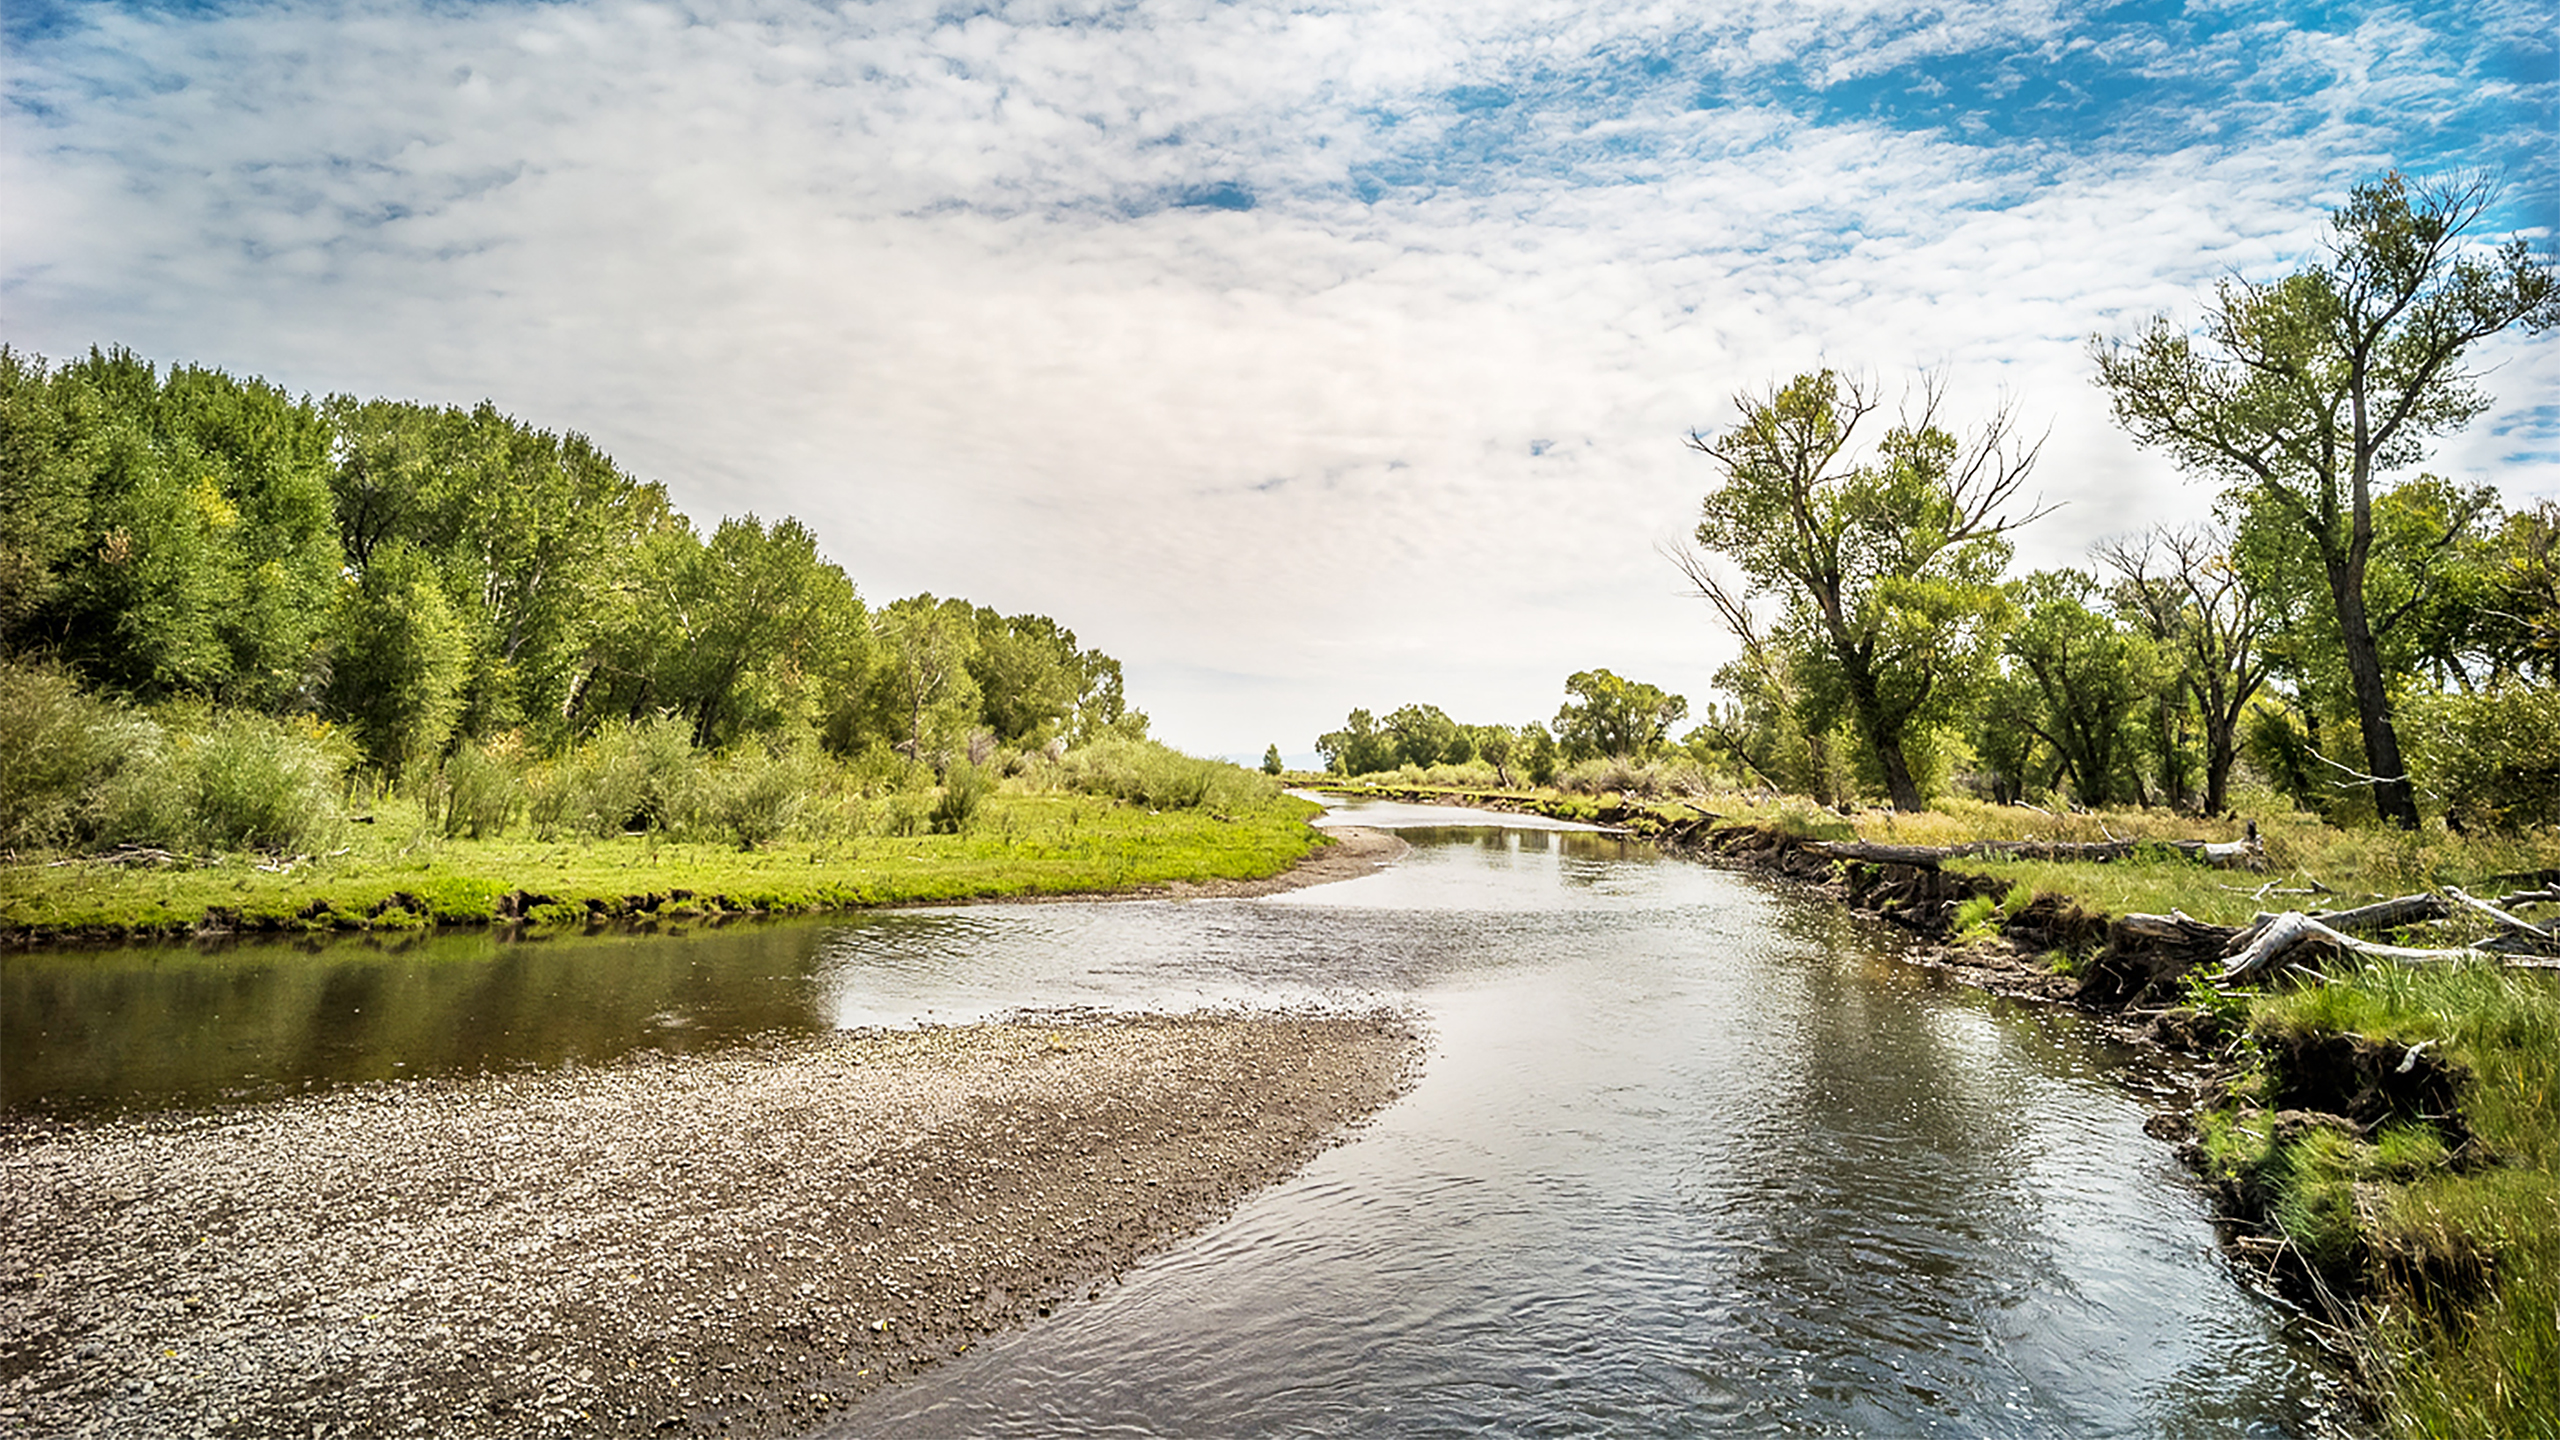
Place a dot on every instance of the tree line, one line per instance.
(2356, 635)
(424, 576)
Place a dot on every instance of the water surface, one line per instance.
(1688, 1157)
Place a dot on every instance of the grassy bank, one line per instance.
(2421, 1203)
(400, 873)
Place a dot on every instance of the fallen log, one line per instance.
(2532, 934)
(2282, 936)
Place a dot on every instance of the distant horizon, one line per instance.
(1304, 359)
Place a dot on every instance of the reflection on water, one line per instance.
(174, 1024)
(1687, 1158)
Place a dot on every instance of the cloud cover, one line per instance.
(1302, 355)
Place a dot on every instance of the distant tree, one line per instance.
(1610, 716)
(1887, 566)
(44, 489)
(402, 658)
(2301, 392)
(2207, 623)
(1029, 675)
(1358, 748)
(1497, 746)
(1424, 735)
(1538, 753)
(921, 691)
(2088, 675)
(2520, 623)
(1271, 762)
(204, 561)
(757, 616)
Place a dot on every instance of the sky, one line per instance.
(1304, 356)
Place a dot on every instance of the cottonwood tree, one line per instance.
(2302, 392)
(1887, 562)
(1614, 717)
(2088, 675)
(2191, 600)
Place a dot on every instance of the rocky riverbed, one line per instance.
(736, 1242)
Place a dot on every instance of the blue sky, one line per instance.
(1305, 356)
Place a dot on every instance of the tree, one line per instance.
(2194, 605)
(920, 690)
(2303, 391)
(758, 616)
(1029, 675)
(401, 659)
(2088, 675)
(1271, 762)
(1615, 717)
(204, 561)
(1424, 735)
(1887, 565)
(1358, 748)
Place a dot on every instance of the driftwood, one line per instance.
(2525, 929)
(2281, 937)
(2279, 941)
(2225, 854)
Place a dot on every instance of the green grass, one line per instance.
(1017, 844)
(2454, 1253)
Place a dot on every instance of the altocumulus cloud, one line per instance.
(1303, 355)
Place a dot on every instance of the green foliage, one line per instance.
(920, 695)
(1973, 922)
(1887, 566)
(402, 659)
(222, 780)
(2492, 756)
(2087, 675)
(1611, 717)
(1358, 748)
(482, 788)
(759, 795)
(200, 557)
(58, 747)
(964, 793)
(626, 776)
(2301, 393)
(1154, 776)
(1271, 764)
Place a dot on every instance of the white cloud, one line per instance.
(1408, 428)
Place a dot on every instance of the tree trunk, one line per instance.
(2394, 799)
(1898, 784)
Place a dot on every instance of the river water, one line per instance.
(1688, 1156)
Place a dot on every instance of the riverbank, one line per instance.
(737, 1242)
(1022, 846)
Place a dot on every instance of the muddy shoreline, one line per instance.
(735, 1243)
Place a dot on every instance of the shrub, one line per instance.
(1159, 777)
(226, 780)
(759, 796)
(624, 776)
(58, 746)
(482, 787)
(964, 791)
(2491, 756)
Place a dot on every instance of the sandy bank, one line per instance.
(732, 1242)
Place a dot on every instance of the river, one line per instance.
(1688, 1156)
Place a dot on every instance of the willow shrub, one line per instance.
(229, 780)
(1156, 776)
(58, 746)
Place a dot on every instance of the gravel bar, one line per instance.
(736, 1242)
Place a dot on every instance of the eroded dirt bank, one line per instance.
(734, 1242)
